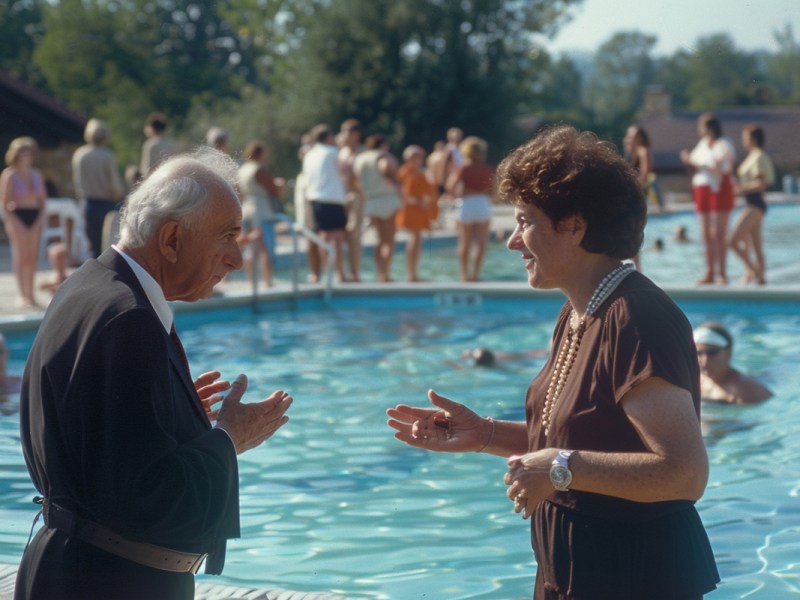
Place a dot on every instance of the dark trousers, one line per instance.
(96, 211)
(57, 567)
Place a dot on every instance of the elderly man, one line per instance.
(139, 485)
(97, 181)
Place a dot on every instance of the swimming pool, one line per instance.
(677, 264)
(334, 503)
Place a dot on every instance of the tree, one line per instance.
(671, 72)
(411, 68)
(20, 30)
(121, 60)
(783, 68)
(623, 68)
(717, 74)
(551, 92)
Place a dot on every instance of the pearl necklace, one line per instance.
(572, 341)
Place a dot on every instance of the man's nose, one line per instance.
(234, 258)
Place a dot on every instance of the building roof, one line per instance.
(671, 132)
(26, 110)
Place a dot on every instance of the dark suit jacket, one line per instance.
(112, 427)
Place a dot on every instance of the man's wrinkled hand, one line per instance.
(250, 424)
(209, 388)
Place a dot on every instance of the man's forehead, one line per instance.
(225, 211)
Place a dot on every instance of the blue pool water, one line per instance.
(334, 503)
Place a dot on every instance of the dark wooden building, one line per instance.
(27, 111)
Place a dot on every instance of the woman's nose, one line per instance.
(515, 239)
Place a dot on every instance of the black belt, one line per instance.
(149, 555)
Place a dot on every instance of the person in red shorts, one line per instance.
(711, 163)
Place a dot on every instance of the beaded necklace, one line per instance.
(572, 341)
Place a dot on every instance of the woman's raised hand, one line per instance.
(447, 427)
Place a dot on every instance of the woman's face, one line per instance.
(747, 140)
(24, 157)
(545, 250)
(629, 139)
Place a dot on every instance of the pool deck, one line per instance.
(236, 291)
(203, 590)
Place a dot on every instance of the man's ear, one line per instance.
(169, 240)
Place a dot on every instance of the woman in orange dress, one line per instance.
(419, 205)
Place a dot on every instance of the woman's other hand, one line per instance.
(528, 479)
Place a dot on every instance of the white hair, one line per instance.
(96, 132)
(216, 136)
(179, 189)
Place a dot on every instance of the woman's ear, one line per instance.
(575, 225)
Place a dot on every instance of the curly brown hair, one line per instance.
(566, 172)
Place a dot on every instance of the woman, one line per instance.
(711, 162)
(419, 202)
(611, 458)
(472, 184)
(23, 198)
(376, 172)
(756, 174)
(258, 187)
(97, 181)
(637, 149)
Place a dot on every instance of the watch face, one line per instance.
(560, 477)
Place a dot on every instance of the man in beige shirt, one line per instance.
(97, 181)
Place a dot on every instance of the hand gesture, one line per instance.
(528, 480)
(210, 391)
(251, 424)
(450, 427)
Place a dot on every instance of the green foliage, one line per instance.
(623, 67)
(783, 69)
(720, 75)
(409, 69)
(21, 28)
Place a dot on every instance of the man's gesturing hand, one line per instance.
(251, 424)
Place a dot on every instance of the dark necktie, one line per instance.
(181, 352)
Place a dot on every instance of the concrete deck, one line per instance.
(203, 591)
(238, 291)
(14, 317)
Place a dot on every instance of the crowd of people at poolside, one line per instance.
(350, 181)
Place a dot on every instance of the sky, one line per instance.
(678, 23)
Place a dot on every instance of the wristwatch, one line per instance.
(560, 475)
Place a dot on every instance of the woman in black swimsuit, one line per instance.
(756, 174)
(23, 196)
(28, 216)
